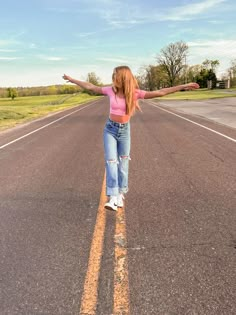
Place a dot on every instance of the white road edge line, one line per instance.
(191, 121)
(53, 122)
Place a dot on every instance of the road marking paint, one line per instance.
(90, 292)
(193, 122)
(53, 122)
(121, 281)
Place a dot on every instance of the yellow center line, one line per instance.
(121, 281)
(90, 292)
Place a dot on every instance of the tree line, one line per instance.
(171, 68)
(48, 90)
(40, 90)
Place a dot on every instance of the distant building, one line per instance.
(223, 84)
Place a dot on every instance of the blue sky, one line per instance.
(42, 40)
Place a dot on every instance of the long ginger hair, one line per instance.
(125, 82)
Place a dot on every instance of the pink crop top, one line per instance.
(117, 104)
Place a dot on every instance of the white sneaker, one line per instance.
(112, 203)
(120, 202)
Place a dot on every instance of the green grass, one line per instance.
(201, 94)
(23, 109)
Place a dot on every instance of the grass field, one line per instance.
(201, 94)
(23, 109)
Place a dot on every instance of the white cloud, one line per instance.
(6, 42)
(32, 46)
(98, 31)
(222, 50)
(51, 58)
(58, 10)
(119, 60)
(10, 58)
(31, 77)
(121, 15)
(55, 58)
(8, 50)
(87, 34)
(187, 12)
(216, 22)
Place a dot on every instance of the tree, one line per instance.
(141, 77)
(233, 67)
(192, 72)
(152, 77)
(206, 64)
(209, 77)
(156, 77)
(201, 78)
(69, 89)
(204, 76)
(232, 73)
(12, 93)
(52, 90)
(93, 78)
(3, 92)
(211, 64)
(212, 77)
(214, 65)
(173, 60)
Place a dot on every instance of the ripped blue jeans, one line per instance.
(116, 137)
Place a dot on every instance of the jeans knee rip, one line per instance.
(112, 161)
(124, 157)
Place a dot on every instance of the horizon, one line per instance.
(41, 41)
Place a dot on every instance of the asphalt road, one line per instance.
(180, 214)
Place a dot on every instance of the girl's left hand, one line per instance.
(191, 86)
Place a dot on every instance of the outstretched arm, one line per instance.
(165, 91)
(84, 85)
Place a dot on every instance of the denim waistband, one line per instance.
(114, 123)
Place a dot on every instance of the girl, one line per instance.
(123, 95)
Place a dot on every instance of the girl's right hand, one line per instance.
(66, 77)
